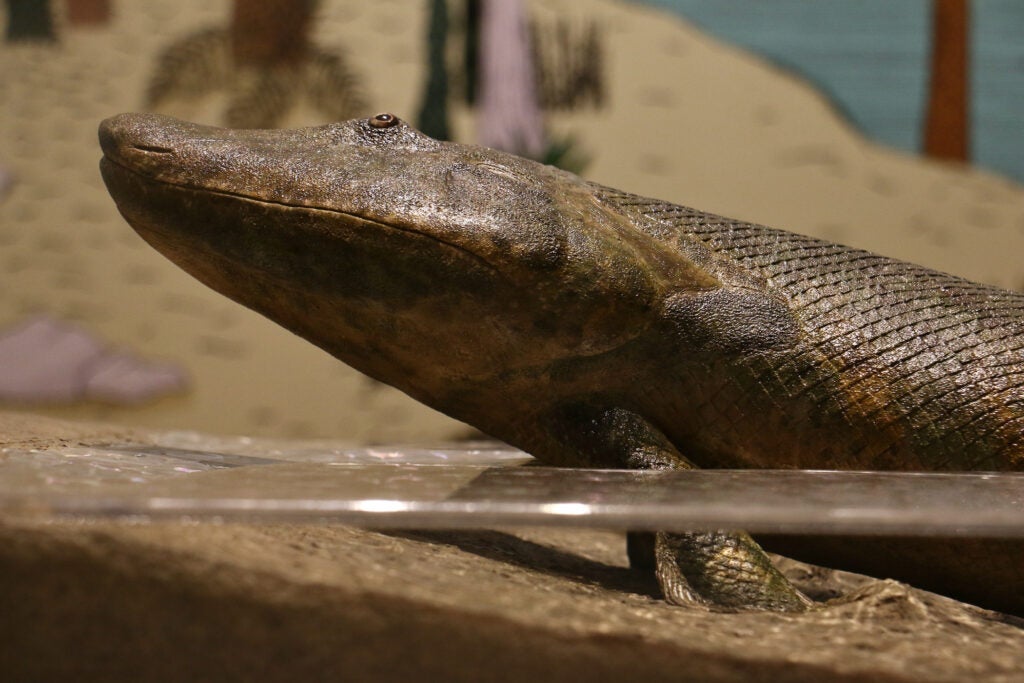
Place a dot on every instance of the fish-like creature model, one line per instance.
(596, 328)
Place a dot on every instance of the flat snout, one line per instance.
(144, 142)
(292, 167)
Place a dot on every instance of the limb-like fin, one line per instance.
(715, 569)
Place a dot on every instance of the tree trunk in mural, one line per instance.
(509, 114)
(266, 63)
(433, 115)
(270, 32)
(88, 12)
(946, 127)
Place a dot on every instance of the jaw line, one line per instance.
(305, 207)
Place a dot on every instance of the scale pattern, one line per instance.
(923, 357)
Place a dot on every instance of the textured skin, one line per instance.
(592, 327)
(919, 370)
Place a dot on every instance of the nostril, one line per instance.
(154, 149)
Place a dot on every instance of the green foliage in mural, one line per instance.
(566, 59)
(565, 153)
(569, 62)
(433, 114)
(29, 20)
(471, 50)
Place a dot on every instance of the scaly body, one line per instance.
(593, 327)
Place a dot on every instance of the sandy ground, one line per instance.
(688, 119)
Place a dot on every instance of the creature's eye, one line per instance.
(383, 120)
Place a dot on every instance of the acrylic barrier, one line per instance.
(185, 476)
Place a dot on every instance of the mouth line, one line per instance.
(268, 202)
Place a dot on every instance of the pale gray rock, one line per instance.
(48, 361)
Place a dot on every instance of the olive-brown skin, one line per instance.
(588, 326)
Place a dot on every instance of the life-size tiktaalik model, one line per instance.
(591, 327)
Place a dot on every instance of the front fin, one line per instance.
(715, 570)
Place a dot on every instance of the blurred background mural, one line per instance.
(943, 77)
(894, 126)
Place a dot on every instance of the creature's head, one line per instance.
(417, 261)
